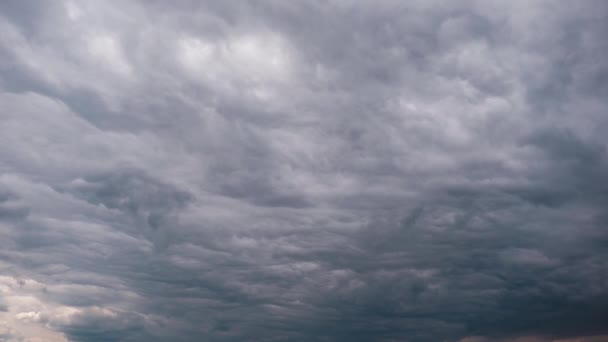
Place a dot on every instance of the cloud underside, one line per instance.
(329, 170)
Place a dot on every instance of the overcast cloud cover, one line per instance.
(303, 171)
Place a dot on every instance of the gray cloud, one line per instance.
(10, 206)
(330, 170)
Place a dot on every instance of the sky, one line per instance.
(323, 170)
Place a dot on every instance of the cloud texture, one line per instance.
(303, 171)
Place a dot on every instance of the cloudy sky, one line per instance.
(320, 170)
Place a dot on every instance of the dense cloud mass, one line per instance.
(320, 170)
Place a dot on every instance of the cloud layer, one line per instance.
(328, 170)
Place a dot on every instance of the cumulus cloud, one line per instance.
(329, 170)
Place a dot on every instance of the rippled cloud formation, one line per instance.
(320, 170)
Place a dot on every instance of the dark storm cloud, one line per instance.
(152, 205)
(93, 326)
(329, 170)
(10, 206)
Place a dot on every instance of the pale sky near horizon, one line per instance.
(322, 170)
